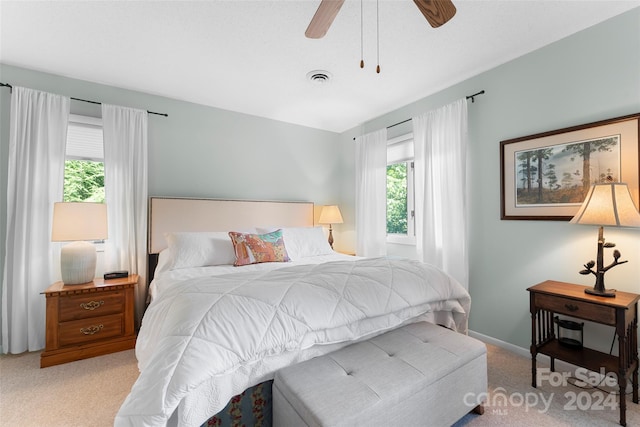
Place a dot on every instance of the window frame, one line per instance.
(408, 158)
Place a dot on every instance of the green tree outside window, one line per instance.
(397, 198)
(83, 181)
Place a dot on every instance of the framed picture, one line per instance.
(546, 176)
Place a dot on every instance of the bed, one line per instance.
(214, 329)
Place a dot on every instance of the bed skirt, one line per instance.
(253, 407)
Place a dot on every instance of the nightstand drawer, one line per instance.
(579, 309)
(91, 305)
(86, 330)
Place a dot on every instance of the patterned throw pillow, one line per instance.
(256, 248)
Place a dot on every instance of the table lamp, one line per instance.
(607, 204)
(330, 215)
(78, 222)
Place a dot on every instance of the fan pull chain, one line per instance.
(361, 37)
(378, 35)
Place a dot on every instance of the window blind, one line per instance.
(400, 149)
(84, 138)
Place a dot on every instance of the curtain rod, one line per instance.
(472, 97)
(85, 100)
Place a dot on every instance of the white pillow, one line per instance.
(199, 249)
(303, 241)
(164, 261)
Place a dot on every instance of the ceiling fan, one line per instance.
(437, 13)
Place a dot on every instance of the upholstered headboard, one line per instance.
(168, 214)
(185, 214)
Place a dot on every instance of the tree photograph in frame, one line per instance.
(546, 176)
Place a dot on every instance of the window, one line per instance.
(400, 195)
(84, 163)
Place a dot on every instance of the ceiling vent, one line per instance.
(319, 77)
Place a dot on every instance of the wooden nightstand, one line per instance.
(89, 320)
(551, 297)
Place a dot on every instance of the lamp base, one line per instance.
(600, 293)
(78, 263)
(330, 236)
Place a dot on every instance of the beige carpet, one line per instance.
(510, 378)
(89, 393)
(79, 394)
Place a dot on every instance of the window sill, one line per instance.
(401, 239)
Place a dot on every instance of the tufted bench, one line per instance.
(418, 375)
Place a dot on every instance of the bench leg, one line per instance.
(478, 410)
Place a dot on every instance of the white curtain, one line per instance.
(35, 173)
(440, 138)
(125, 175)
(371, 194)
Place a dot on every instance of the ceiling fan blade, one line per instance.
(323, 18)
(437, 12)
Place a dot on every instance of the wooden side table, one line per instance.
(551, 297)
(89, 320)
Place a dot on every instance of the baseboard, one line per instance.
(561, 365)
(502, 344)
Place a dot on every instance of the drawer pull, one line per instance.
(92, 305)
(571, 307)
(91, 329)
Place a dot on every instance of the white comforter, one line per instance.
(206, 339)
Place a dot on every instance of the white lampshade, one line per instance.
(608, 204)
(330, 215)
(78, 222)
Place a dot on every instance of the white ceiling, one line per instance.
(252, 56)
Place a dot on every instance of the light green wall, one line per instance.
(201, 151)
(210, 152)
(590, 76)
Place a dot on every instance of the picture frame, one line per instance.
(546, 176)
